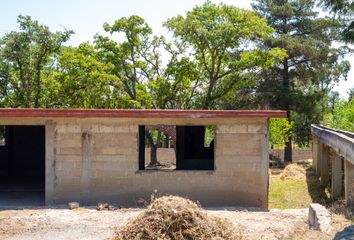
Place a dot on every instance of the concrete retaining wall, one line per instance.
(91, 161)
(298, 154)
(165, 155)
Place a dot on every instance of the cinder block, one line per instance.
(257, 128)
(113, 158)
(69, 142)
(67, 128)
(237, 128)
(103, 158)
(69, 151)
(241, 144)
(69, 158)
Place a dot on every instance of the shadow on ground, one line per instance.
(316, 190)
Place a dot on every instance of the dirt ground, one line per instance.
(89, 224)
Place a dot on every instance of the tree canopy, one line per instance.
(279, 56)
(305, 76)
(25, 55)
(221, 40)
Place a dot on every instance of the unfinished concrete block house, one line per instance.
(219, 158)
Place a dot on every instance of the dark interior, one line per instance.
(22, 163)
(191, 153)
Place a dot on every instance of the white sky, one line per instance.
(86, 17)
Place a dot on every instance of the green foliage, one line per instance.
(126, 56)
(301, 82)
(220, 39)
(280, 131)
(82, 76)
(209, 135)
(344, 11)
(351, 94)
(24, 55)
(342, 116)
(221, 57)
(137, 61)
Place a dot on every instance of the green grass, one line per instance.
(285, 194)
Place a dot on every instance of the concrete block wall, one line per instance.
(98, 161)
(165, 155)
(298, 154)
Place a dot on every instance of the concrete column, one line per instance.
(320, 148)
(50, 176)
(86, 166)
(324, 172)
(314, 153)
(349, 183)
(337, 174)
(265, 167)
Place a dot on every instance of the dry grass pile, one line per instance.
(293, 172)
(171, 217)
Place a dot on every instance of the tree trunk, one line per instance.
(153, 156)
(153, 148)
(288, 151)
(286, 101)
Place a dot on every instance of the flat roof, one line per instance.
(135, 113)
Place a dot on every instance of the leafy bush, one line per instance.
(342, 116)
(280, 131)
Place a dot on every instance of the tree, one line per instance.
(126, 57)
(25, 54)
(344, 11)
(220, 40)
(279, 129)
(81, 80)
(351, 93)
(137, 62)
(305, 76)
(342, 116)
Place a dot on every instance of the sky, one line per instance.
(86, 17)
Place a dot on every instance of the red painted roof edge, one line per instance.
(134, 113)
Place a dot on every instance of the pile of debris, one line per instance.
(105, 207)
(293, 172)
(171, 217)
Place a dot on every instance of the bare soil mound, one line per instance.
(171, 217)
(293, 172)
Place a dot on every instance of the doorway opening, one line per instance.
(22, 166)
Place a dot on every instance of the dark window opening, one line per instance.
(176, 147)
(2, 135)
(22, 166)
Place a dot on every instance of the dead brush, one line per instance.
(175, 218)
(293, 172)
